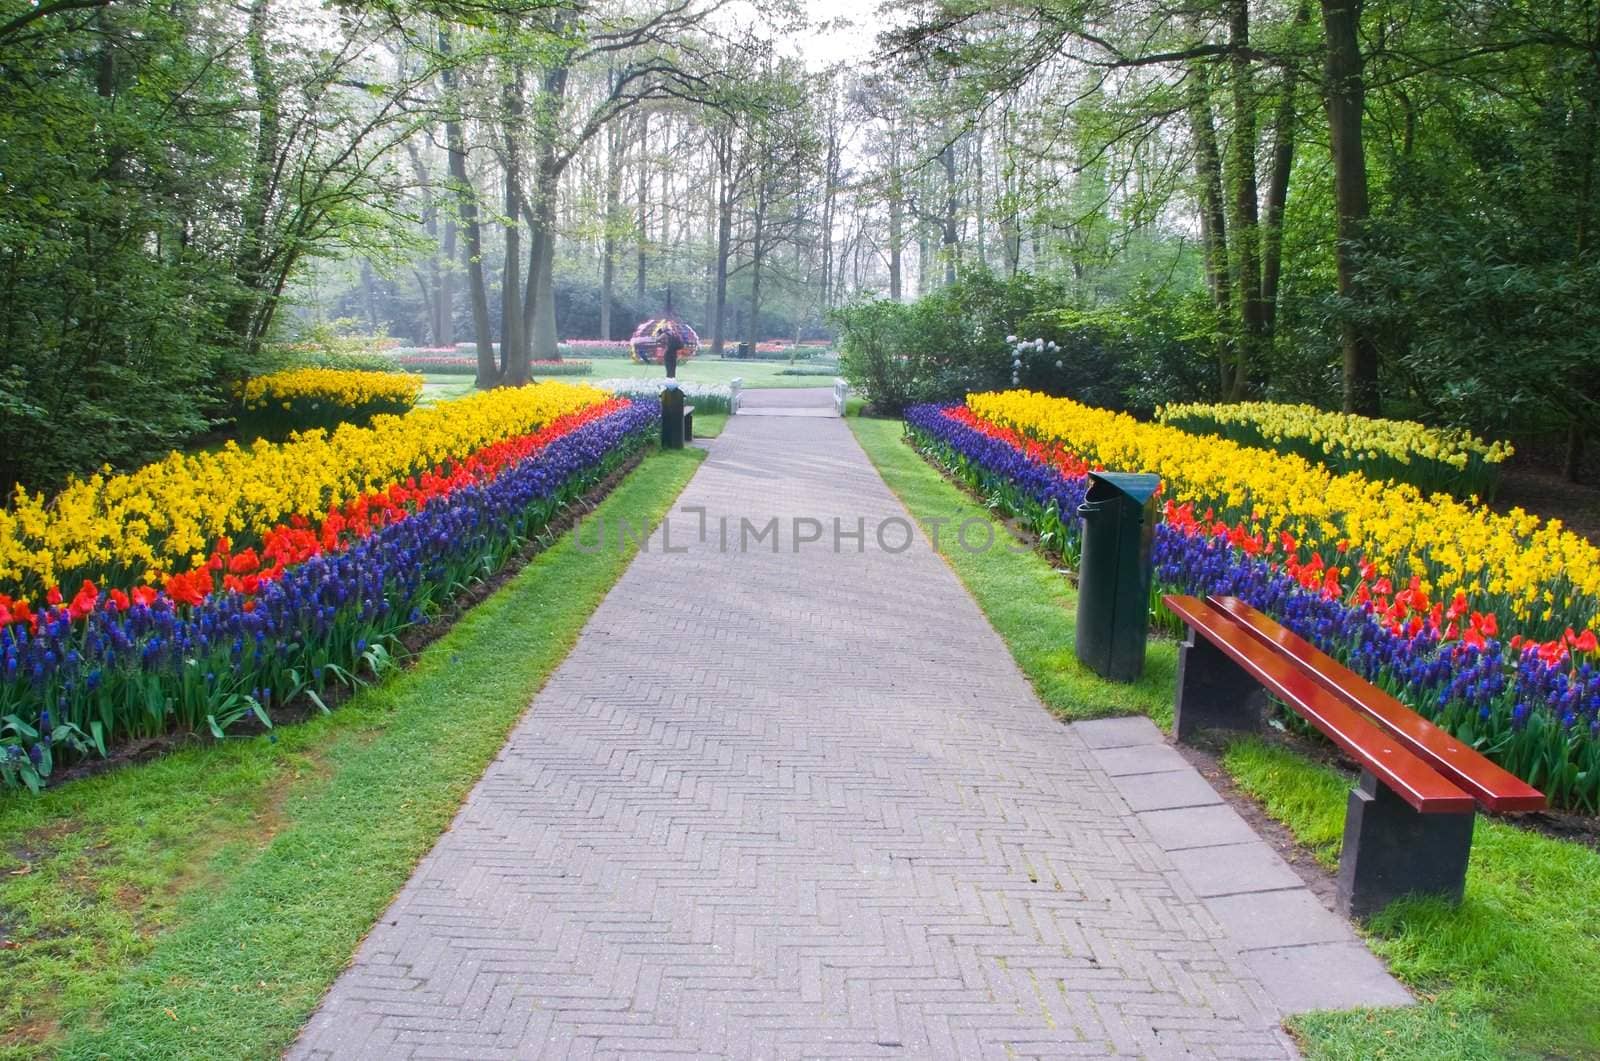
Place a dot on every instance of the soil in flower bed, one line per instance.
(1546, 493)
(411, 641)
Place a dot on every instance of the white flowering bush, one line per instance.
(1031, 349)
(705, 397)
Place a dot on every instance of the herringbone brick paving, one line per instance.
(793, 802)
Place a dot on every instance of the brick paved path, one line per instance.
(780, 804)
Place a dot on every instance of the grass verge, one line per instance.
(709, 425)
(199, 905)
(1507, 973)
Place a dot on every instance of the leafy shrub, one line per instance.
(1154, 347)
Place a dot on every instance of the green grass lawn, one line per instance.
(441, 387)
(199, 905)
(1509, 973)
(709, 425)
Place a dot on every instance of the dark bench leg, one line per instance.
(1390, 850)
(1213, 691)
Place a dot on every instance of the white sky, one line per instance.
(850, 33)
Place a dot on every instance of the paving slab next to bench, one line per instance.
(1307, 957)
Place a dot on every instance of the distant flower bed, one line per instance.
(705, 397)
(1400, 451)
(597, 348)
(462, 365)
(778, 350)
(212, 588)
(277, 405)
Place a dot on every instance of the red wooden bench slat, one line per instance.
(1494, 787)
(1408, 776)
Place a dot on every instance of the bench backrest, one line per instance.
(1408, 776)
(1494, 787)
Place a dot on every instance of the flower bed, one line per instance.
(307, 606)
(303, 399)
(1400, 451)
(1528, 697)
(453, 364)
(705, 397)
(597, 348)
(165, 517)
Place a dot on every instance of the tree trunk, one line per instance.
(513, 346)
(546, 336)
(757, 254)
(446, 294)
(539, 304)
(725, 197)
(1245, 237)
(467, 207)
(644, 211)
(1213, 217)
(951, 232)
(429, 278)
(608, 254)
(711, 216)
(251, 265)
(897, 219)
(369, 297)
(1283, 131)
(1345, 94)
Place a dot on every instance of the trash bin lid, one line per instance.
(1136, 486)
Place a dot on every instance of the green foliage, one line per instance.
(1152, 347)
(165, 169)
(1487, 327)
(111, 322)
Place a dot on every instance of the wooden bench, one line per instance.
(1408, 827)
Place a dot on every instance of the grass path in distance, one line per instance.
(199, 905)
(1511, 972)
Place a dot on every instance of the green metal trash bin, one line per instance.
(1119, 519)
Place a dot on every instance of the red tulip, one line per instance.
(84, 601)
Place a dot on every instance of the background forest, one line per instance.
(1387, 206)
